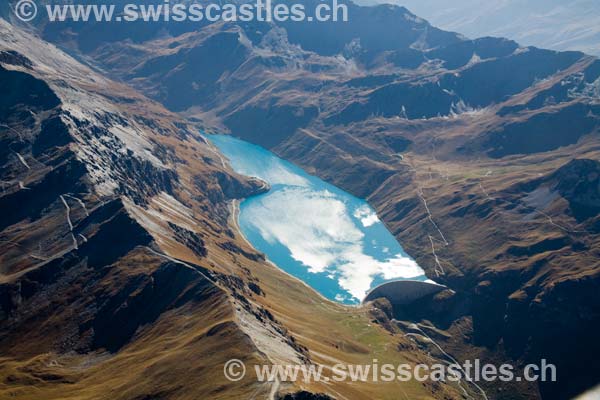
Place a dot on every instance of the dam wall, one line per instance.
(404, 291)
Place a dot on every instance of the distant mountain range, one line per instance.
(551, 24)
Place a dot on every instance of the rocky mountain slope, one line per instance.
(480, 156)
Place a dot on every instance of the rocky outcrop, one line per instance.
(304, 396)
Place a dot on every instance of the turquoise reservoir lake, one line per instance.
(313, 230)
